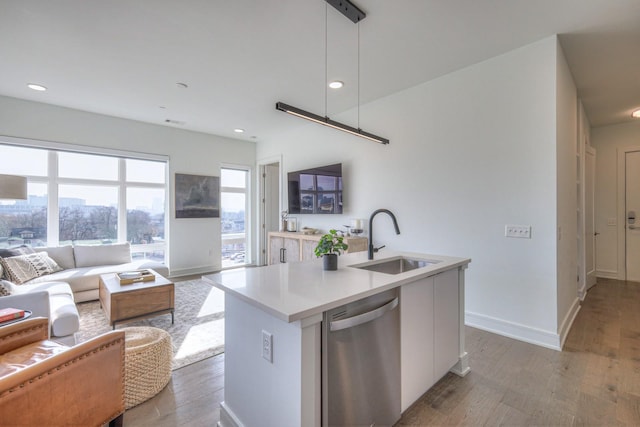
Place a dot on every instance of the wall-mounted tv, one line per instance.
(316, 190)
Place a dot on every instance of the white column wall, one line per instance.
(567, 196)
(470, 152)
(194, 243)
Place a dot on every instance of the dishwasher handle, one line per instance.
(350, 322)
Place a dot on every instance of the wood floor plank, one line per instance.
(594, 381)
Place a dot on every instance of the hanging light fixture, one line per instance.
(353, 13)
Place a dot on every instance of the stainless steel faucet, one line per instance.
(372, 249)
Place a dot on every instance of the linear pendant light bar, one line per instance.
(326, 121)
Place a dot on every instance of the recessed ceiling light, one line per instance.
(36, 87)
(337, 84)
(636, 114)
(238, 130)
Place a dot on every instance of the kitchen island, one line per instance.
(281, 385)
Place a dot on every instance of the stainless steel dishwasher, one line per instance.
(361, 362)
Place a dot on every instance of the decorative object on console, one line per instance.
(292, 224)
(356, 226)
(329, 247)
(197, 196)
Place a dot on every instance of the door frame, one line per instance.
(262, 241)
(621, 210)
(589, 215)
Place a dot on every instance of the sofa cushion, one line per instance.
(15, 251)
(90, 255)
(22, 268)
(62, 255)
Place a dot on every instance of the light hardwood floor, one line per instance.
(594, 381)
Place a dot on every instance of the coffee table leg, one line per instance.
(172, 317)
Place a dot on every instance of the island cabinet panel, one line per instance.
(416, 340)
(292, 247)
(446, 313)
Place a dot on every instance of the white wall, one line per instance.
(607, 140)
(194, 243)
(470, 152)
(567, 195)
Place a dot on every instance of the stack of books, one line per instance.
(8, 314)
(136, 276)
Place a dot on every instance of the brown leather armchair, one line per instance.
(46, 383)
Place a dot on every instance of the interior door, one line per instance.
(632, 215)
(589, 216)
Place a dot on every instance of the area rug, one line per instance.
(198, 331)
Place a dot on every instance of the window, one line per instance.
(78, 198)
(234, 216)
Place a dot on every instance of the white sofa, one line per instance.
(83, 264)
(54, 295)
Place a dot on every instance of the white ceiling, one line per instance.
(238, 57)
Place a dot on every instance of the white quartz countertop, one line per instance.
(298, 290)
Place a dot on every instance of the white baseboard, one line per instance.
(228, 418)
(191, 271)
(607, 274)
(513, 330)
(568, 321)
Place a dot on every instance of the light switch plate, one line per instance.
(518, 231)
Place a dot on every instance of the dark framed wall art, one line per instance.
(197, 196)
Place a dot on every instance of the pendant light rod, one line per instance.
(348, 9)
(326, 121)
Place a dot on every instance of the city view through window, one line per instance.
(78, 198)
(233, 216)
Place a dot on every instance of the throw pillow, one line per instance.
(23, 268)
(13, 251)
(5, 289)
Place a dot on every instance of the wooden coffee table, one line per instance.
(123, 303)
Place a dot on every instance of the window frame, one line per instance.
(53, 181)
(247, 191)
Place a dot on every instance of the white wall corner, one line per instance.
(565, 327)
(513, 330)
(227, 417)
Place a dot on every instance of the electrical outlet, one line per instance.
(519, 231)
(267, 346)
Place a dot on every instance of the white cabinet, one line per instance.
(416, 340)
(292, 247)
(446, 322)
(429, 333)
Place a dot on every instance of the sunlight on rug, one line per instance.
(198, 332)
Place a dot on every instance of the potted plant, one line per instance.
(329, 247)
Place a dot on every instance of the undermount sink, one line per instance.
(396, 265)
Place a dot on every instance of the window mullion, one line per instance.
(122, 200)
(53, 205)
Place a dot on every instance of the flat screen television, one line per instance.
(316, 190)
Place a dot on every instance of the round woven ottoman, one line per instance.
(147, 363)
